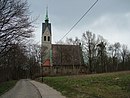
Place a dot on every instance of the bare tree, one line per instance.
(89, 47)
(124, 53)
(14, 23)
(71, 41)
(117, 47)
(115, 55)
(102, 55)
(14, 63)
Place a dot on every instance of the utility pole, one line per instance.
(42, 68)
(41, 64)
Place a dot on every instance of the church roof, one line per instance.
(45, 25)
(46, 63)
(66, 55)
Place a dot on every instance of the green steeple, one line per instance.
(46, 18)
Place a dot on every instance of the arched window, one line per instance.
(48, 38)
(44, 38)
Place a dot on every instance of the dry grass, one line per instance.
(107, 85)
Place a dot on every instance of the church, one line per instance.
(59, 59)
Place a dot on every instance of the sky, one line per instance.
(108, 18)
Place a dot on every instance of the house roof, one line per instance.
(46, 63)
(66, 54)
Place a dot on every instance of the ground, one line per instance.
(31, 89)
(23, 89)
(108, 85)
(5, 86)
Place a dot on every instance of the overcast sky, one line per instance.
(108, 18)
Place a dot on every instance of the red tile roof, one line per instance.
(46, 63)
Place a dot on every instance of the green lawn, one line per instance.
(109, 85)
(5, 86)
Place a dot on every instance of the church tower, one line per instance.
(46, 38)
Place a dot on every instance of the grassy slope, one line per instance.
(5, 86)
(109, 85)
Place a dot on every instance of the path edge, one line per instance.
(35, 87)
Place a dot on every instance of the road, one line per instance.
(23, 89)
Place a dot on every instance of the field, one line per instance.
(108, 85)
(5, 86)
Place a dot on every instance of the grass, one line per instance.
(5, 86)
(109, 85)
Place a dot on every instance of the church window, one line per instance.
(48, 38)
(44, 38)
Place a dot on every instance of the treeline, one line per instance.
(101, 56)
(20, 62)
(18, 58)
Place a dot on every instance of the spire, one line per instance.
(46, 18)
